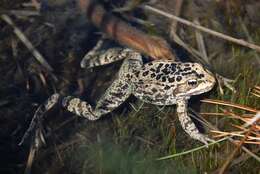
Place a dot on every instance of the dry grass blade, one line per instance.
(212, 114)
(192, 150)
(204, 29)
(25, 13)
(177, 10)
(256, 91)
(230, 158)
(30, 160)
(249, 142)
(257, 88)
(201, 44)
(249, 38)
(255, 119)
(225, 103)
(27, 43)
(250, 135)
(234, 134)
(244, 129)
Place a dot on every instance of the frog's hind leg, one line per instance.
(99, 58)
(114, 96)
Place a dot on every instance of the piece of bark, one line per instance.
(125, 34)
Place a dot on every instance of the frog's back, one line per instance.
(165, 72)
(156, 82)
(162, 82)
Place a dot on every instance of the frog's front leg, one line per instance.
(187, 124)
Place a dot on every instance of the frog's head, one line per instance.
(194, 80)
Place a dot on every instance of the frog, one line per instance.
(158, 82)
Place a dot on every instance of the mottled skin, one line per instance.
(160, 82)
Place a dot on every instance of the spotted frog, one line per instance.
(160, 82)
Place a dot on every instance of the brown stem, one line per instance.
(233, 154)
(125, 34)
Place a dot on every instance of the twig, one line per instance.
(27, 43)
(177, 11)
(26, 13)
(201, 44)
(204, 29)
(243, 26)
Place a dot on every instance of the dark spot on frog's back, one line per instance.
(152, 69)
(117, 94)
(163, 79)
(178, 78)
(171, 79)
(124, 87)
(158, 76)
(128, 76)
(160, 65)
(187, 69)
(140, 82)
(153, 75)
(137, 73)
(166, 71)
(186, 73)
(167, 87)
(173, 64)
(145, 73)
(158, 68)
(158, 96)
(154, 90)
(201, 75)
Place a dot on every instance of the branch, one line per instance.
(122, 32)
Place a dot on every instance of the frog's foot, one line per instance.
(79, 107)
(202, 138)
(38, 116)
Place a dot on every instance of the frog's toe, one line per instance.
(204, 139)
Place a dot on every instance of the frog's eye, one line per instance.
(192, 82)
